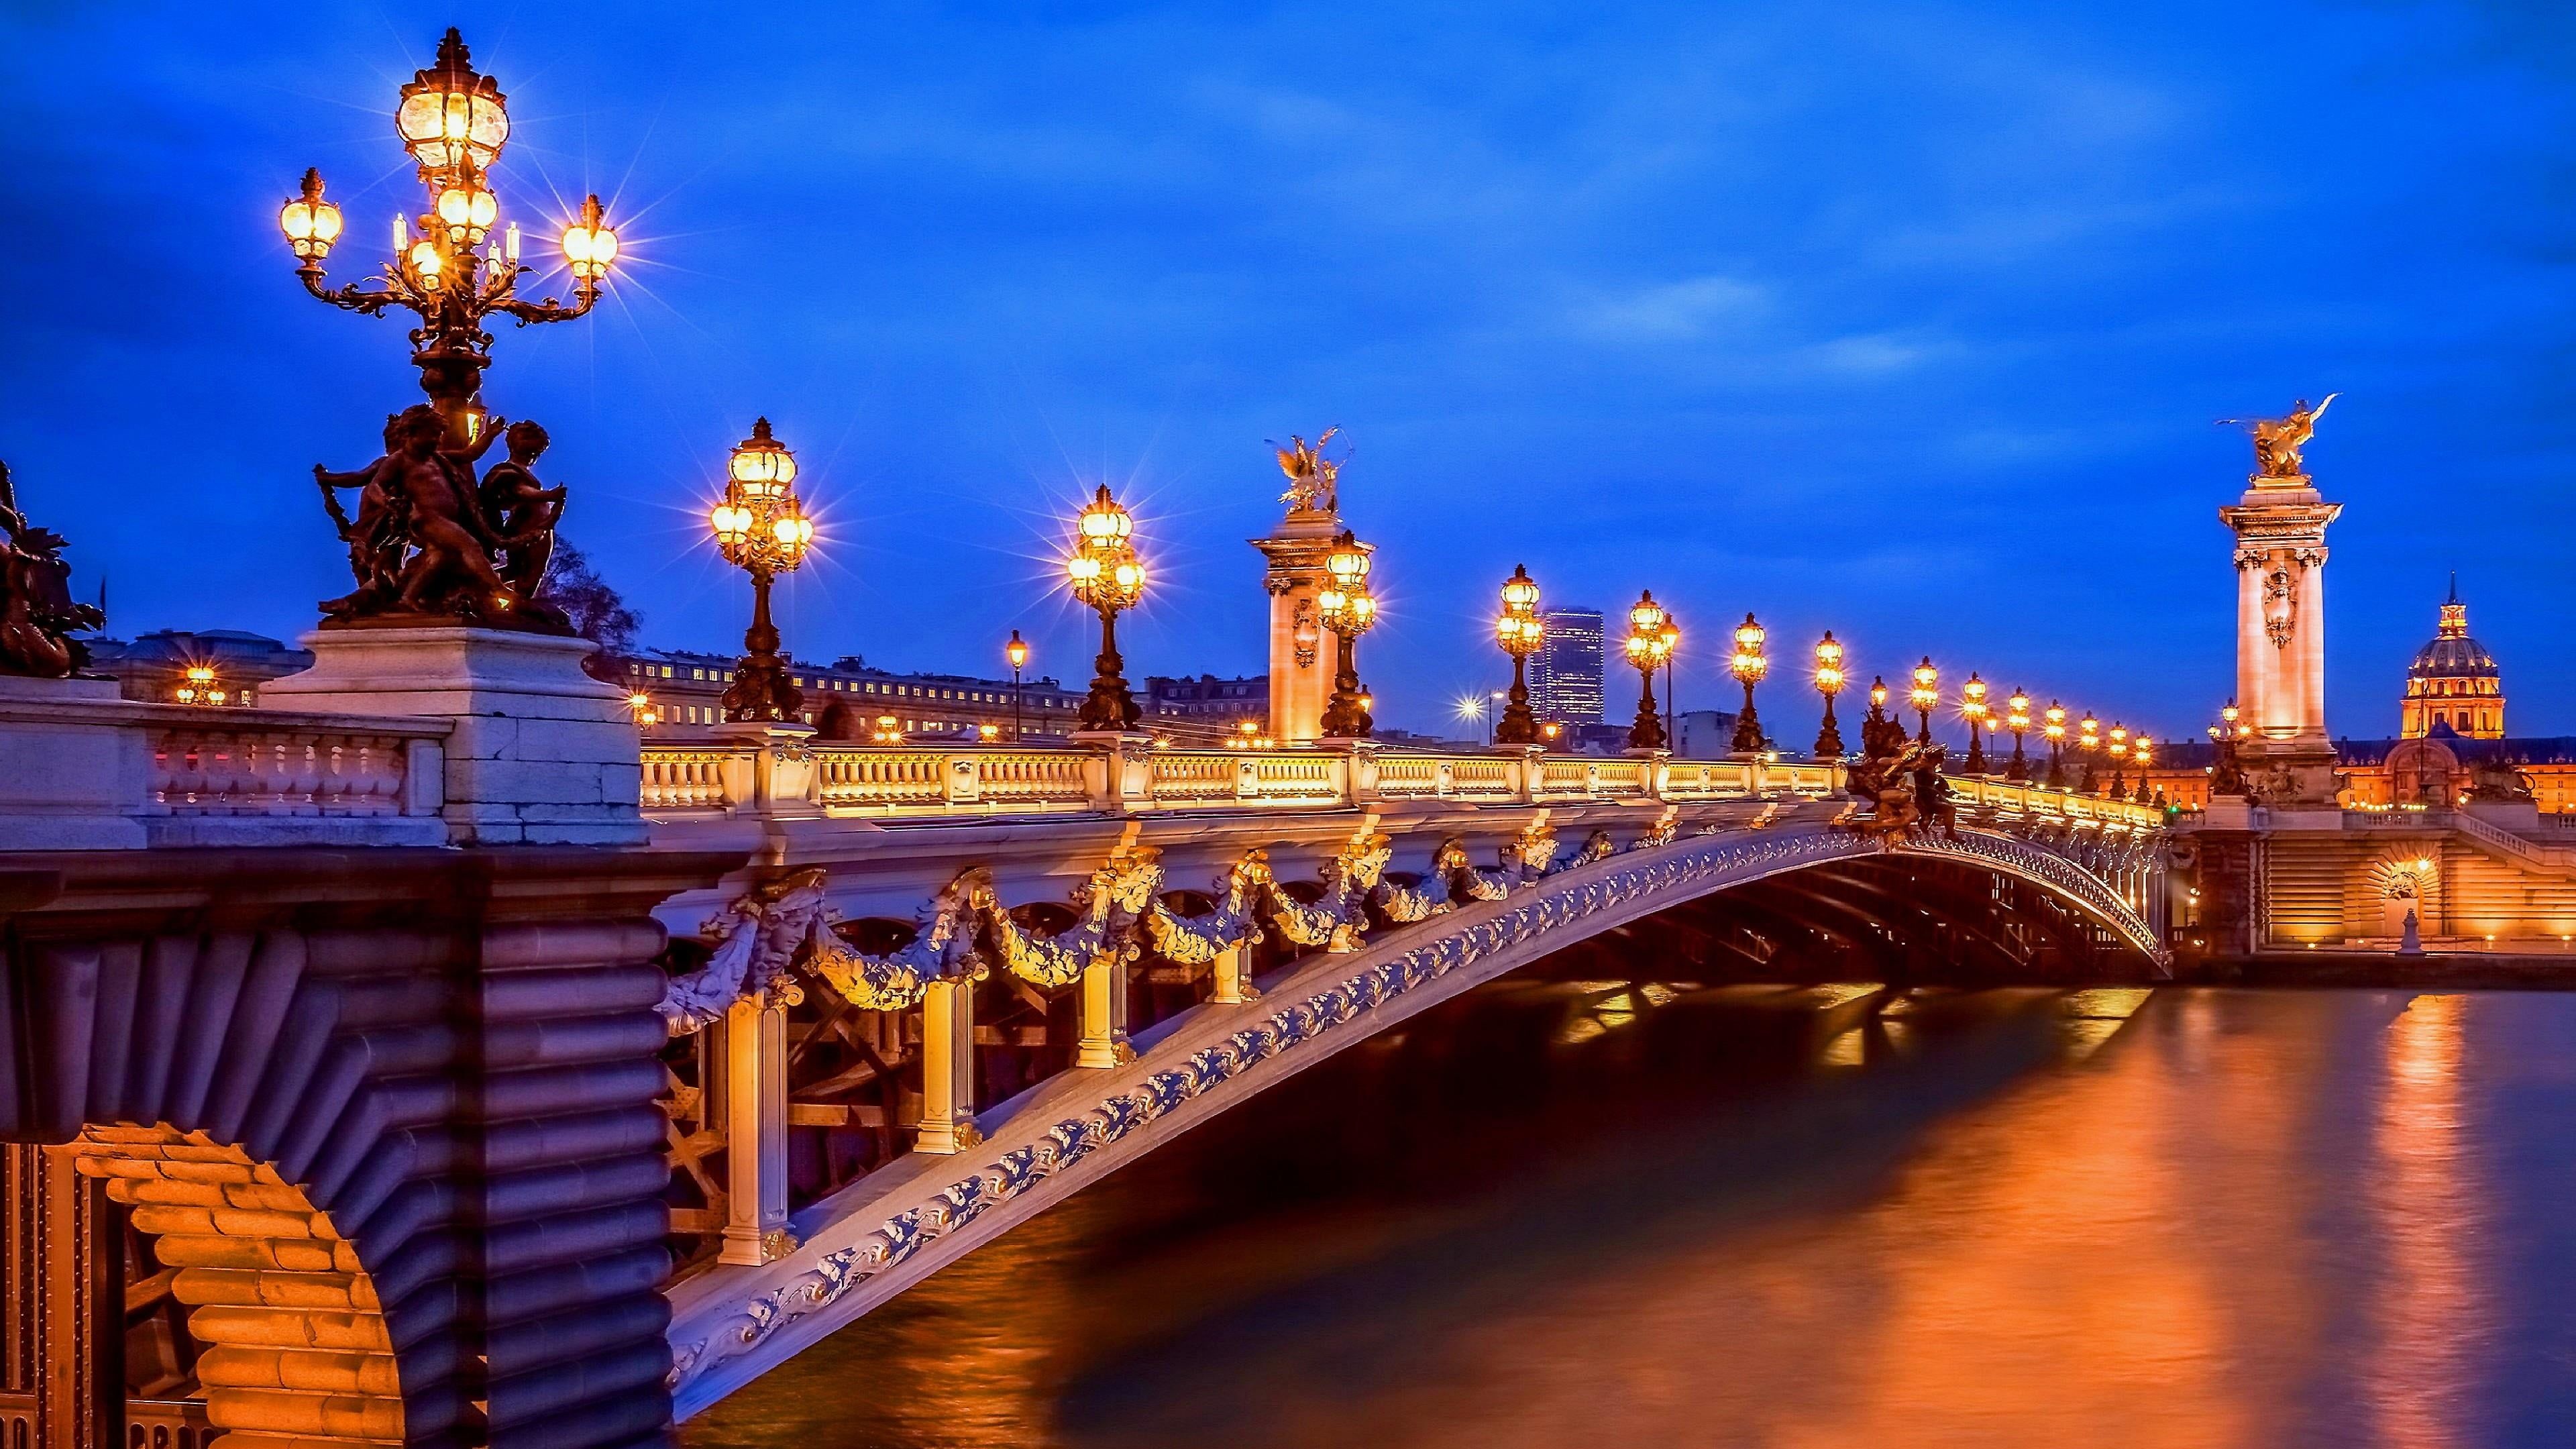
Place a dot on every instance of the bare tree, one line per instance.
(597, 612)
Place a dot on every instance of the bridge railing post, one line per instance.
(755, 1230)
(1104, 1014)
(947, 1068)
(1230, 976)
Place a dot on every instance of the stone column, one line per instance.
(1104, 1014)
(755, 1230)
(1301, 663)
(2280, 527)
(1231, 974)
(947, 1068)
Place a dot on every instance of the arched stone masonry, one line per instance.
(391, 1115)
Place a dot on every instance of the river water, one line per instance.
(1589, 1214)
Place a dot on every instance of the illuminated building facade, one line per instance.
(1565, 678)
(2453, 681)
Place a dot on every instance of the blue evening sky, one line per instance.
(1910, 320)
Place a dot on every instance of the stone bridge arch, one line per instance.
(886, 1232)
(389, 1122)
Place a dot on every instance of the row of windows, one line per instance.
(869, 686)
(2415, 689)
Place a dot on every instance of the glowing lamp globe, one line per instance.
(310, 223)
(451, 119)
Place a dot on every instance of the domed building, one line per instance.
(2453, 681)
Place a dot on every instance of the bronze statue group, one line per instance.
(432, 540)
(1899, 780)
(37, 613)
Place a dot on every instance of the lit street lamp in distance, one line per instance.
(761, 528)
(1107, 577)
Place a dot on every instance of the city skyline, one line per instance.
(1616, 335)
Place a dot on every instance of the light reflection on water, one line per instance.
(1595, 1214)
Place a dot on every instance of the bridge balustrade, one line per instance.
(693, 778)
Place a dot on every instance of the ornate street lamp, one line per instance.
(446, 266)
(761, 528)
(2017, 719)
(1106, 576)
(1648, 647)
(2119, 758)
(1017, 651)
(1972, 704)
(2088, 741)
(1829, 682)
(2053, 726)
(1348, 610)
(647, 714)
(1925, 695)
(197, 687)
(2144, 750)
(2226, 771)
(1672, 648)
(1520, 633)
(1873, 735)
(1748, 666)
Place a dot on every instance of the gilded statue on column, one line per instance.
(1313, 479)
(2277, 441)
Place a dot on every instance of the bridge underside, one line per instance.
(1785, 905)
(1903, 919)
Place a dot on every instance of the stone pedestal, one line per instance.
(542, 754)
(1301, 648)
(67, 781)
(782, 769)
(1121, 775)
(2280, 527)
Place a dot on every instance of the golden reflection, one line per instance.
(2430, 1219)
(2091, 1018)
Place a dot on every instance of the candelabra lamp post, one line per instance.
(1748, 666)
(199, 687)
(1972, 707)
(2088, 744)
(1348, 610)
(1017, 651)
(1520, 633)
(1874, 733)
(762, 529)
(1672, 632)
(1925, 695)
(1829, 682)
(2017, 719)
(1648, 647)
(2142, 749)
(1107, 578)
(2119, 752)
(2226, 771)
(2053, 728)
(446, 265)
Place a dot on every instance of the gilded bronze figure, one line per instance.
(37, 614)
(1313, 479)
(2277, 441)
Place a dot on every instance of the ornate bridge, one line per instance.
(1324, 923)
(369, 1060)
(386, 1140)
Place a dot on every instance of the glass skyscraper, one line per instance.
(1565, 678)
